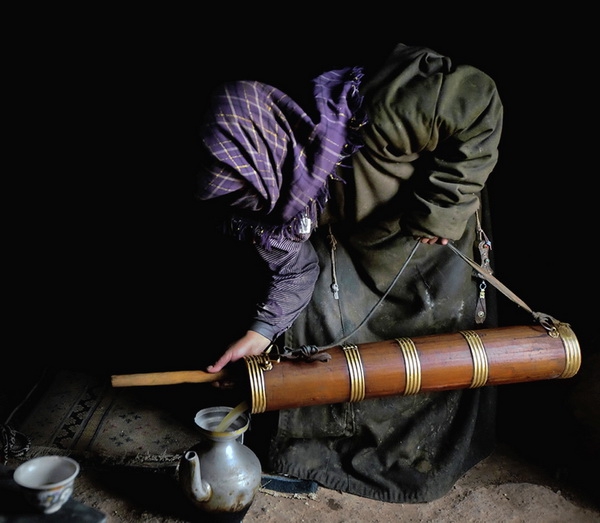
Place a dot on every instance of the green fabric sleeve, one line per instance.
(436, 127)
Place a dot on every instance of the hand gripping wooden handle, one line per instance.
(166, 378)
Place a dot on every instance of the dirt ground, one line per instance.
(509, 487)
(500, 488)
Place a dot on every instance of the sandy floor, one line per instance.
(501, 488)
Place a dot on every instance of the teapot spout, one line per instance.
(190, 478)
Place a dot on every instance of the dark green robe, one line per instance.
(431, 143)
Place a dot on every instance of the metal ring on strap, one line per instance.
(256, 366)
(572, 350)
(480, 361)
(412, 365)
(356, 373)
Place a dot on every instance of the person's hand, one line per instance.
(251, 344)
(432, 240)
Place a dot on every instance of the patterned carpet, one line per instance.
(82, 415)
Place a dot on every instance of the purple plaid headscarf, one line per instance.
(269, 157)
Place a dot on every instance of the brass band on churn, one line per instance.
(256, 365)
(572, 350)
(480, 361)
(412, 365)
(356, 373)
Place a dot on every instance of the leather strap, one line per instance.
(545, 320)
(311, 352)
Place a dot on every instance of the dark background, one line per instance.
(106, 263)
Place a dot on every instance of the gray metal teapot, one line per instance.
(220, 475)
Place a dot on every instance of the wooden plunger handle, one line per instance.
(166, 378)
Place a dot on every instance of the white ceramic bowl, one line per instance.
(47, 481)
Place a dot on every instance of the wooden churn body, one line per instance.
(404, 366)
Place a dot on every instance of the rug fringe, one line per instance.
(35, 452)
(287, 495)
(148, 461)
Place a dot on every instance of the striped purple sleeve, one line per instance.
(294, 268)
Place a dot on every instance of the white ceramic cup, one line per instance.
(47, 482)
